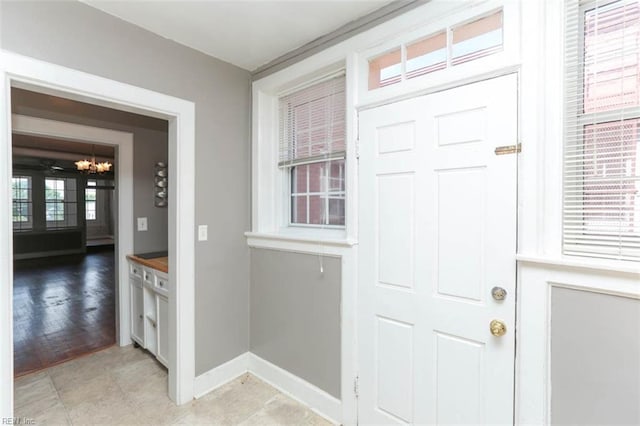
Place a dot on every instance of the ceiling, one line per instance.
(246, 33)
(79, 149)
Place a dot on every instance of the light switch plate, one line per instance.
(203, 232)
(142, 224)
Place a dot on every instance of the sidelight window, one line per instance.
(601, 215)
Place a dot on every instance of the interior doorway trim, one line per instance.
(34, 126)
(32, 74)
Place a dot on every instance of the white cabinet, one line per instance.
(150, 310)
(162, 311)
(137, 310)
(150, 321)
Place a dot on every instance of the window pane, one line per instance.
(21, 188)
(476, 39)
(611, 182)
(319, 126)
(312, 121)
(299, 179)
(316, 172)
(326, 181)
(54, 189)
(21, 207)
(90, 210)
(386, 69)
(336, 176)
(336, 211)
(21, 212)
(427, 55)
(90, 194)
(317, 213)
(299, 209)
(611, 63)
(55, 211)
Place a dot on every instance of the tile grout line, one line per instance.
(55, 387)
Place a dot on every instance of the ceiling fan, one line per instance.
(51, 166)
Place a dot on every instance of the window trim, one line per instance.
(270, 183)
(289, 165)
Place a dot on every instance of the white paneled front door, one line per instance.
(437, 234)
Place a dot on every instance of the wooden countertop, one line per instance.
(159, 263)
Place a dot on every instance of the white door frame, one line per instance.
(33, 126)
(21, 71)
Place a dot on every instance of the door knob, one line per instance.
(498, 328)
(498, 293)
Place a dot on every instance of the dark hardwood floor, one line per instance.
(63, 307)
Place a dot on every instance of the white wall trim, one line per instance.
(124, 194)
(537, 281)
(298, 243)
(315, 398)
(293, 386)
(18, 70)
(583, 263)
(6, 254)
(220, 375)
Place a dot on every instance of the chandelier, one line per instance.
(91, 167)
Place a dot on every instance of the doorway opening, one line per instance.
(65, 294)
(38, 76)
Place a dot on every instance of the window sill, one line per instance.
(582, 263)
(331, 242)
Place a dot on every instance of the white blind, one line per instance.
(312, 123)
(601, 215)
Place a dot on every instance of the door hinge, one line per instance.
(358, 149)
(356, 389)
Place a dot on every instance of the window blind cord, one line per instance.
(329, 108)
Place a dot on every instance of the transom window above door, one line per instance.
(464, 42)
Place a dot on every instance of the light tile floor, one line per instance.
(126, 386)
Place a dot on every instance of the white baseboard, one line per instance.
(293, 386)
(216, 377)
(315, 398)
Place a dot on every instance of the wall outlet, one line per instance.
(142, 224)
(203, 232)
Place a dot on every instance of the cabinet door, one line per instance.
(151, 320)
(162, 310)
(137, 310)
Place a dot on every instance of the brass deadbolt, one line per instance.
(498, 293)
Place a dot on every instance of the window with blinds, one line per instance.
(601, 215)
(312, 149)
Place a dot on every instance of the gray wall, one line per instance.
(595, 358)
(295, 315)
(77, 36)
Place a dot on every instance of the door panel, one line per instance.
(437, 232)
